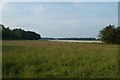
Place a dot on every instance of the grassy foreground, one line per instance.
(45, 59)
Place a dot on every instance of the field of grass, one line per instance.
(46, 59)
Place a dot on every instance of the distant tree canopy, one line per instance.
(18, 34)
(68, 38)
(110, 34)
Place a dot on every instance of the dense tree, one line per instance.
(18, 34)
(0, 31)
(6, 33)
(110, 34)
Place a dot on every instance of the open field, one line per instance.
(41, 59)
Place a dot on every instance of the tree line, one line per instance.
(18, 34)
(110, 34)
(68, 38)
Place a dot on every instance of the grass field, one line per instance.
(45, 59)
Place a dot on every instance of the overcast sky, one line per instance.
(60, 19)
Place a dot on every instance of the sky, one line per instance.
(60, 19)
(59, 0)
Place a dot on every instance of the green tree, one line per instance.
(6, 33)
(18, 34)
(118, 35)
(110, 34)
(0, 32)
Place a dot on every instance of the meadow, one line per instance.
(49, 59)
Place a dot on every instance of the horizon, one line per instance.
(61, 19)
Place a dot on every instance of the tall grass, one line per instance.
(45, 59)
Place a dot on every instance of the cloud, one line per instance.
(42, 9)
(61, 19)
(3, 6)
(95, 0)
(59, 0)
(39, 9)
(0, 6)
